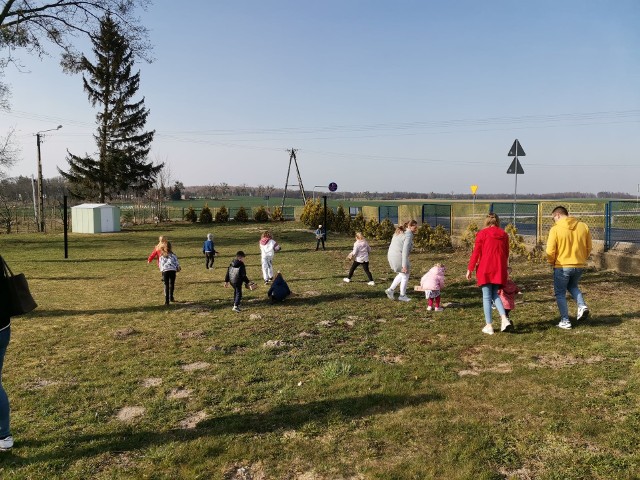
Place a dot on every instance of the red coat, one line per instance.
(490, 256)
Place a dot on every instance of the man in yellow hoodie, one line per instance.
(568, 247)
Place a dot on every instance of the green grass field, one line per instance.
(339, 382)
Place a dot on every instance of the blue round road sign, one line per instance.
(333, 186)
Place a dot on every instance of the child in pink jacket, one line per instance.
(508, 292)
(432, 283)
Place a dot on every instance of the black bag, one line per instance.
(17, 291)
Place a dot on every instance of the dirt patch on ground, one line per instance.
(250, 472)
(192, 334)
(389, 359)
(190, 367)
(151, 382)
(123, 333)
(274, 344)
(326, 323)
(310, 293)
(255, 316)
(130, 414)
(475, 358)
(192, 421)
(306, 335)
(178, 393)
(40, 383)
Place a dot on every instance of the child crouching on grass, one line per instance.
(432, 283)
(236, 276)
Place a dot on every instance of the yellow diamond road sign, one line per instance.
(474, 189)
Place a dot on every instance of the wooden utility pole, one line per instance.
(292, 158)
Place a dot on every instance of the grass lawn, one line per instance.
(338, 382)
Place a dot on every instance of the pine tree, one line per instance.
(122, 143)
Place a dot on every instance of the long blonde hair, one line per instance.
(165, 250)
(162, 241)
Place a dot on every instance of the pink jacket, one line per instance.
(433, 279)
(508, 294)
(360, 252)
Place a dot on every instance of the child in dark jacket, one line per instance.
(209, 251)
(236, 276)
(279, 289)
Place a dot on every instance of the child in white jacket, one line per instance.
(432, 283)
(360, 256)
(268, 248)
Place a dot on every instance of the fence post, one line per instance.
(607, 226)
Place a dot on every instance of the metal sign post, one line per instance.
(515, 168)
(474, 189)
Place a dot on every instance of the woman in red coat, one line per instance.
(490, 259)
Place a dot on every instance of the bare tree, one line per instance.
(35, 25)
(8, 152)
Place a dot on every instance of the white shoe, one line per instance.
(583, 313)
(429, 308)
(565, 323)
(236, 309)
(404, 298)
(372, 283)
(346, 280)
(488, 329)
(507, 326)
(6, 443)
(389, 293)
(438, 309)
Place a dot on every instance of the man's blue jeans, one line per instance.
(5, 336)
(566, 278)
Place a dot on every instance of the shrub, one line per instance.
(385, 230)
(241, 215)
(342, 220)
(222, 215)
(261, 214)
(205, 214)
(422, 237)
(469, 236)
(276, 215)
(516, 242)
(312, 214)
(127, 216)
(538, 253)
(191, 215)
(371, 228)
(440, 240)
(358, 223)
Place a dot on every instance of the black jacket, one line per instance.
(279, 289)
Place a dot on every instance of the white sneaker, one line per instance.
(488, 329)
(429, 308)
(372, 283)
(583, 313)
(389, 293)
(236, 309)
(565, 323)
(346, 280)
(438, 309)
(404, 298)
(507, 326)
(6, 443)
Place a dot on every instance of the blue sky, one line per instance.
(376, 95)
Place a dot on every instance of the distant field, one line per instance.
(338, 382)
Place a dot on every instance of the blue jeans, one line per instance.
(489, 295)
(237, 295)
(5, 336)
(566, 278)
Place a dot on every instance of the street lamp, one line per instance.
(40, 192)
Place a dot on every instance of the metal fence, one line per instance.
(622, 223)
(390, 212)
(523, 215)
(435, 214)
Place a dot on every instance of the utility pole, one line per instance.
(292, 158)
(40, 187)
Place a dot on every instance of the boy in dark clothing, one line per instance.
(236, 276)
(279, 289)
(209, 251)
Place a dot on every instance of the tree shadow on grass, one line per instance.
(279, 418)
(594, 321)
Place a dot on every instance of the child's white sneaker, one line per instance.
(488, 329)
(6, 443)
(506, 326)
(389, 293)
(438, 309)
(371, 283)
(404, 298)
(429, 308)
(346, 280)
(583, 313)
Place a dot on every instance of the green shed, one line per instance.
(95, 218)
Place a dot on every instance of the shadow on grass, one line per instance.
(283, 417)
(594, 321)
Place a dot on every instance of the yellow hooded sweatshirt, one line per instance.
(569, 243)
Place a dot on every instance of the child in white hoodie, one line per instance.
(360, 256)
(268, 248)
(432, 283)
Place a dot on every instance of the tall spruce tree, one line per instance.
(123, 145)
